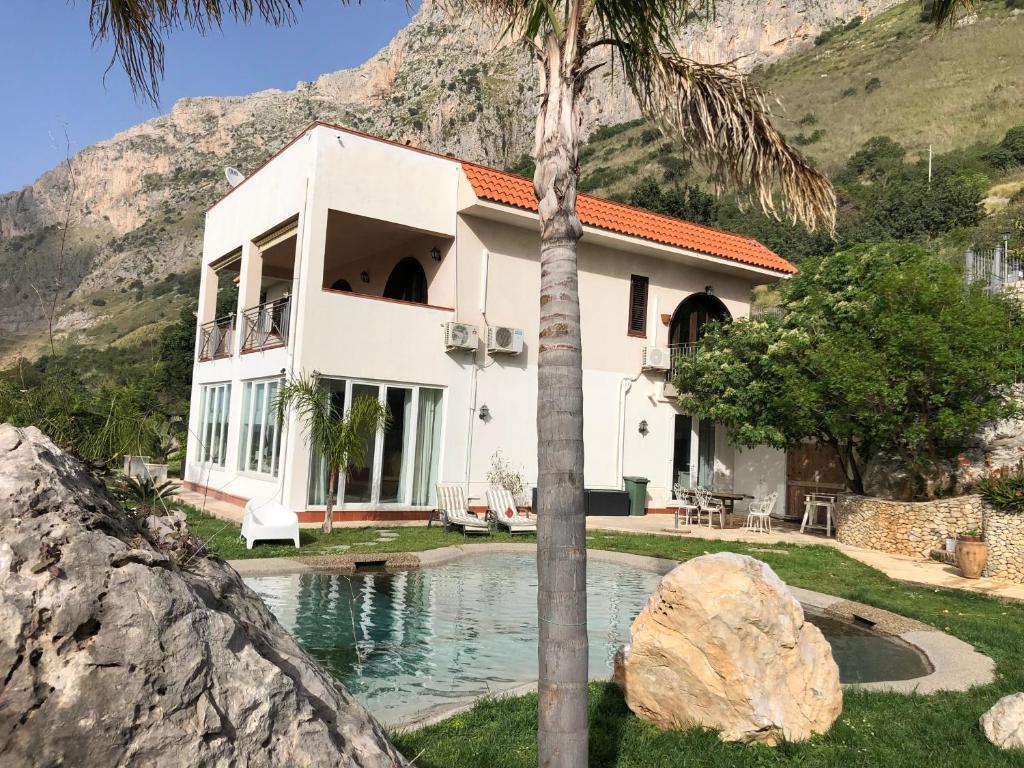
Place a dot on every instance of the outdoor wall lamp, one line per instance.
(364, 276)
(435, 253)
(709, 290)
(643, 427)
(485, 412)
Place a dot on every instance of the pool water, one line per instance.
(410, 643)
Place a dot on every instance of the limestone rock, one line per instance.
(723, 644)
(1004, 723)
(121, 645)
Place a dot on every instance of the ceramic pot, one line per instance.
(971, 556)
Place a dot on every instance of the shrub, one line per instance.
(851, 91)
(1004, 491)
(872, 85)
(99, 302)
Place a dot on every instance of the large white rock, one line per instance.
(1004, 723)
(723, 644)
(122, 645)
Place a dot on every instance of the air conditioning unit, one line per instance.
(461, 336)
(656, 359)
(506, 341)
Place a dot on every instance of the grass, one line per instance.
(875, 729)
(222, 539)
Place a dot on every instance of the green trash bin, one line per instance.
(636, 487)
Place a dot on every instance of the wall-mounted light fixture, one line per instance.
(364, 276)
(643, 427)
(485, 412)
(709, 290)
(435, 253)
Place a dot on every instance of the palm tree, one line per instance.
(710, 110)
(341, 439)
(946, 12)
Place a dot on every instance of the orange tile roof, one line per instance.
(509, 189)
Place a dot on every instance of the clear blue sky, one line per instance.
(50, 75)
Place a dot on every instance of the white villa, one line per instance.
(413, 277)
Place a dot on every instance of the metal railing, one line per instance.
(676, 351)
(994, 269)
(266, 326)
(760, 312)
(216, 338)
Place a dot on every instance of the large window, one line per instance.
(260, 440)
(214, 403)
(402, 460)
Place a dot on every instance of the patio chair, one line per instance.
(502, 505)
(759, 513)
(266, 520)
(683, 502)
(451, 500)
(707, 504)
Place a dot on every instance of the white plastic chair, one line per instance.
(683, 502)
(451, 500)
(759, 513)
(502, 505)
(266, 520)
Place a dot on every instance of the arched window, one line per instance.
(692, 315)
(407, 282)
(341, 285)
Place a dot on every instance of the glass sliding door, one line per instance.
(317, 491)
(428, 447)
(705, 453)
(394, 468)
(359, 481)
(683, 433)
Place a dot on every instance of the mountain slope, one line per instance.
(137, 199)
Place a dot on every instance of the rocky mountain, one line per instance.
(134, 203)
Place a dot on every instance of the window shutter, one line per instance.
(638, 305)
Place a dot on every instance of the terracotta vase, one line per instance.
(971, 556)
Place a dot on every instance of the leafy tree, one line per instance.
(882, 348)
(683, 202)
(712, 111)
(177, 354)
(342, 438)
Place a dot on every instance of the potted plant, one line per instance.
(971, 553)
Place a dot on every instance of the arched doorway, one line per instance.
(693, 459)
(407, 282)
(341, 285)
(691, 317)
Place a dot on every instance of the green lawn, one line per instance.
(876, 729)
(222, 539)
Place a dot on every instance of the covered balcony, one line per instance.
(266, 295)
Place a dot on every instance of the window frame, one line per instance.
(247, 423)
(636, 281)
(214, 420)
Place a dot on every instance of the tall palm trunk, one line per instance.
(561, 526)
(332, 490)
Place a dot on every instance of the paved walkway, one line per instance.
(919, 571)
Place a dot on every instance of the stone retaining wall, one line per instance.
(915, 528)
(904, 527)
(1005, 536)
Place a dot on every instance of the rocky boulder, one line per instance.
(122, 645)
(1004, 723)
(723, 644)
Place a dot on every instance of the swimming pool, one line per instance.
(411, 643)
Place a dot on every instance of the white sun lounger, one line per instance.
(503, 506)
(451, 501)
(266, 520)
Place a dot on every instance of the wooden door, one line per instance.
(811, 468)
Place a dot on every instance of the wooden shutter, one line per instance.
(637, 305)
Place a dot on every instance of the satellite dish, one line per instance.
(234, 176)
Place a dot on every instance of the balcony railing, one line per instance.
(217, 338)
(266, 326)
(676, 351)
(761, 312)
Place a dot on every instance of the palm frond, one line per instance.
(138, 29)
(947, 12)
(719, 116)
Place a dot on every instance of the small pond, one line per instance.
(409, 643)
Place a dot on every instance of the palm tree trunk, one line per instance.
(332, 489)
(561, 526)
